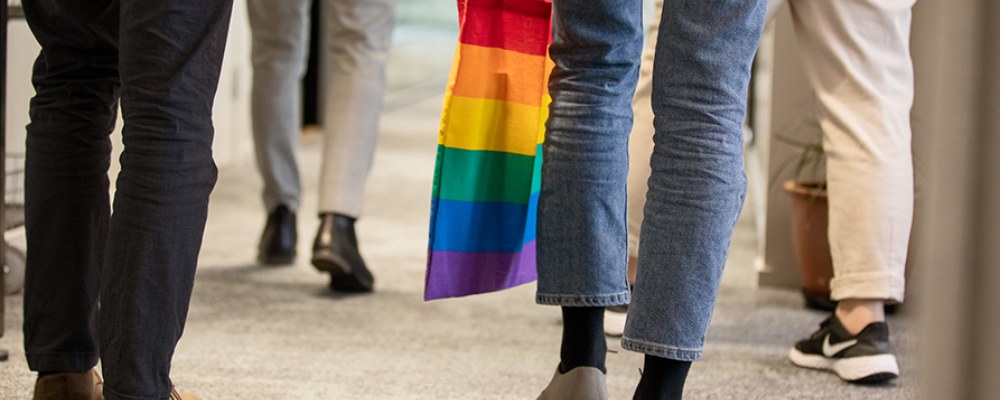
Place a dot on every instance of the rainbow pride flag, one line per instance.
(489, 157)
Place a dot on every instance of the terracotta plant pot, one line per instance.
(809, 235)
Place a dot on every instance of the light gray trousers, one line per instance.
(354, 46)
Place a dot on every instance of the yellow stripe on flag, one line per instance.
(492, 125)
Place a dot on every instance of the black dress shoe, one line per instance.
(277, 244)
(336, 251)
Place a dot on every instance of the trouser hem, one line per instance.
(345, 211)
(80, 362)
(111, 395)
(578, 300)
(880, 285)
(660, 350)
(271, 204)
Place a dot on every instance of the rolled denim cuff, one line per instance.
(580, 300)
(660, 350)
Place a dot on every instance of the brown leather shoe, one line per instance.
(175, 395)
(70, 386)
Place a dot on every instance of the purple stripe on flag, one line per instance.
(448, 274)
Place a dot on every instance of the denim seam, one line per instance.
(660, 350)
(578, 300)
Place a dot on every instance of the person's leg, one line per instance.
(280, 41)
(640, 152)
(640, 147)
(641, 138)
(582, 236)
(856, 55)
(66, 182)
(703, 57)
(171, 56)
(356, 36)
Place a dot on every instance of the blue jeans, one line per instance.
(704, 52)
(162, 60)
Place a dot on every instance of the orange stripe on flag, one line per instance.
(497, 74)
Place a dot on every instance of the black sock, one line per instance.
(662, 379)
(583, 342)
(42, 374)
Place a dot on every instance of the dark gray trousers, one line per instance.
(161, 59)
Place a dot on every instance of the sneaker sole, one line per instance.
(868, 369)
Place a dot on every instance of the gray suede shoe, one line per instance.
(580, 383)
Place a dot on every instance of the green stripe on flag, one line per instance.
(492, 176)
(536, 183)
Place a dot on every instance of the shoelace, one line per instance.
(174, 395)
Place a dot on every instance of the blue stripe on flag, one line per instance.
(482, 226)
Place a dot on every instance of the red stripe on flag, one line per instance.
(518, 25)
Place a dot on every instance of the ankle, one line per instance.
(583, 341)
(662, 379)
(856, 314)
